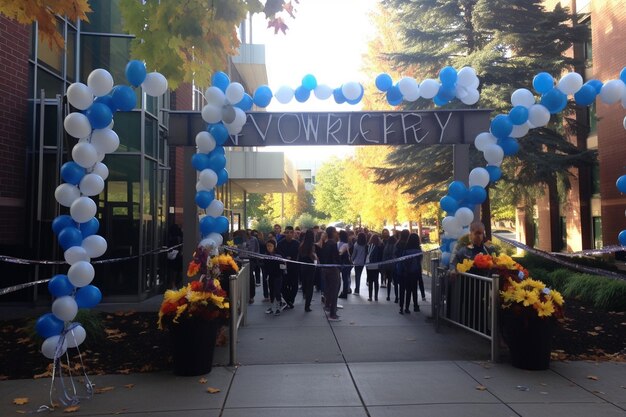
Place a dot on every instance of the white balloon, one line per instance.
(65, 308)
(612, 91)
(205, 142)
(460, 92)
(214, 96)
(232, 128)
(83, 209)
(474, 84)
(624, 123)
(65, 194)
(479, 176)
(570, 83)
(234, 93)
(429, 88)
(522, 97)
(472, 97)
(493, 154)
(49, 347)
(323, 92)
(80, 274)
(105, 140)
(240, 117)
(215, 208)
(351, 90)
(101, 170)
(538, 115)
(466, 76)
(212, 113)
(216, 237)
(409, 88)
(100, 81)
(464, 216)
(484, 139)
(200, 187)
(95, 246)
(208, 243)
(91, 184)
(75, 336)
(100, 157)
(208, 178)
(450, 223)
(519, 130)
(80, 96)
(77, 125)
(85, 154)
(284, 94)
(155, 84)
(75, 254)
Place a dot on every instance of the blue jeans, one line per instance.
(345, 278)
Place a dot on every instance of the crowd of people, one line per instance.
(325, 261)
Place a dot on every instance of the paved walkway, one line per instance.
(374, 362)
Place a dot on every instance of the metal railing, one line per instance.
(430, 262)
(470, 302)
(239, 295)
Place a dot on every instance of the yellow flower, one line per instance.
(544, 309)
(465, 266)
(525, 297)
(557, 297)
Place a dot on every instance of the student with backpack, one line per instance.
(408, 271)
(374, 255)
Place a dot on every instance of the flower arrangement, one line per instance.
(204, 297)
(520, 293)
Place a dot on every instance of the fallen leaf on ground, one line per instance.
(212, 390)
(481, 387)
(3, 377)
(124, 371)
(71, 409)
(103, 389)
(202, 380)
(592, 377)
(129, 385)
(20, 401)
(42, 375)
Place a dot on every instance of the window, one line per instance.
(106, 17)
(128, 128)
(112, 53)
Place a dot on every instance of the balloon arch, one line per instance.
(225, 114)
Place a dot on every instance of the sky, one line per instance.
(326, 39)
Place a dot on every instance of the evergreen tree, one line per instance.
(507, 42)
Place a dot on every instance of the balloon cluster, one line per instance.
(621, 186)
(501, 141)
(83, 178)
(452, 84)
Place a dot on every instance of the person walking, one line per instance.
(384, 237)
(343, 246)
(306, 253)
(275, 277)
(408, 272)
(359, 253)
(388, 269)
(374, 254)
(329, 255)
(397, 276)
(264, 276)
(288, 249)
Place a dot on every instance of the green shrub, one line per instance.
(583, 287)
(611, 296)
(263, 225)
(503, 247)
(91, 321)
(305, 221)
(542, 275)
(559, 278)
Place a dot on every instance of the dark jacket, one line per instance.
(329, 254)
(289, 250)
(374, 255)
(272, 267)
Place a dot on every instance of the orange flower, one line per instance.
(483, 261)
(193, 269)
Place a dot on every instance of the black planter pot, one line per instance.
(529, 340)
(193, 344)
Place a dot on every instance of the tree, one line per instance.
(44, 13)
(330, 190)
(507, 42)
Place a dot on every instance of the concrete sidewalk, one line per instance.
(374, 362)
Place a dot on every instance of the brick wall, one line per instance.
(14, 49)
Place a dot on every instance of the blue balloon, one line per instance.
(586, 95)
(219, 133)
(219, 150)
(302, 94)
(216, 161)
(222, 177)
(135, 72)
(543, 82)
(246, 102)
(108, 100)
(448, 76)
(124, 98)
(204, 198)
(263, 96)
(200, 161)
(554, 100)
(439, 100)
(221, 224)
(72, 173)
(309, 82)
(338, 96)
(99, 115)
(445, 258)
(394, 101)
(622, 74)
(48, 325)
(60, 285)
(70, 236)
(88, 296)
(383, 82)
(476, 194)
(518, 115)
(621, 184)
(358, 99)
(622, 237)
(89, 228)
(449, 204)
(495, 173)
(510, 146)
(501, 126)
(394, 94)
(457, 190)
(220, 80)
(61, 222)
(207, 225)
(597, 84)
(446, 92)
